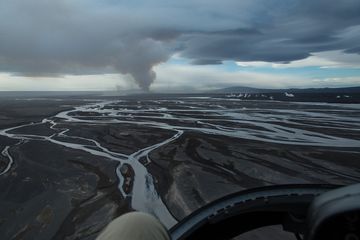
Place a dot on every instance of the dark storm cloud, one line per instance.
(52, 38)
(354, 50)
(284, 33)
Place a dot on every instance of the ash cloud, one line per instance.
(55, 38)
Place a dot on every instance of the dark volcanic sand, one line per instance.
(73, 173)
(51, 191)
(205, 167)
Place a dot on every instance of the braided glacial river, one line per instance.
(288, 126)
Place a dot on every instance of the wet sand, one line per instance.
(68, 167)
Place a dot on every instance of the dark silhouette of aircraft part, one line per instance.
(315, 211)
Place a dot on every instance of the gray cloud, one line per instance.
(53, 38)
(206, 62)
(285, 32)
(45, 38)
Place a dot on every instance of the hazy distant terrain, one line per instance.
(69, 165)
(330, 95)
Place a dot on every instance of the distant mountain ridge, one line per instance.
(240, 89)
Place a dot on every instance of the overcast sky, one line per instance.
(186, 45)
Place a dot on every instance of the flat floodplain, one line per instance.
(69, 165)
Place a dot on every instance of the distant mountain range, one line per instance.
(241, 89)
